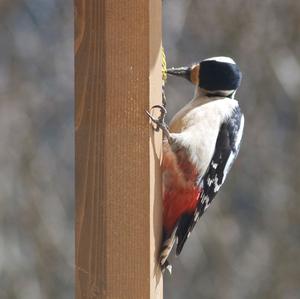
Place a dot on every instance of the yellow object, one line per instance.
(164, 65)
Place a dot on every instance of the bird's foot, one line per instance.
(160, 121)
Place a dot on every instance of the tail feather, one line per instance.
(166, 266)
(166, 250)
(185, 227)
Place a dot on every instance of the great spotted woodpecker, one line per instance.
(200, 146)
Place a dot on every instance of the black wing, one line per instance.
(226, 151)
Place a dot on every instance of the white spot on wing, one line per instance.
(228, 165)
(240, 133)
(205, 202)
(214, 165)
(237, 146)
(217, 186)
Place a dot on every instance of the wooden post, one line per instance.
(117, 176)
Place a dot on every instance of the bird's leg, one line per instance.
(164, 98)
(160, 122)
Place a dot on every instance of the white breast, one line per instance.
(199, 129)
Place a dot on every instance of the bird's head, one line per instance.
(214, 76)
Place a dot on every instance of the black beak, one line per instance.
(184, 72)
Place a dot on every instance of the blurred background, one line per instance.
(247, 245)
(36, 149)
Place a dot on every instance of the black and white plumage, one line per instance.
(200, 147)
(226, 150)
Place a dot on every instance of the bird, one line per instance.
(199, 147)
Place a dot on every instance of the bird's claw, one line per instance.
(160, 121)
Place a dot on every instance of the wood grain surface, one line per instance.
(117, 155)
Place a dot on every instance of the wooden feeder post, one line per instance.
(117, 154)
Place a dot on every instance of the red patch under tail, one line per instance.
(181, 193)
